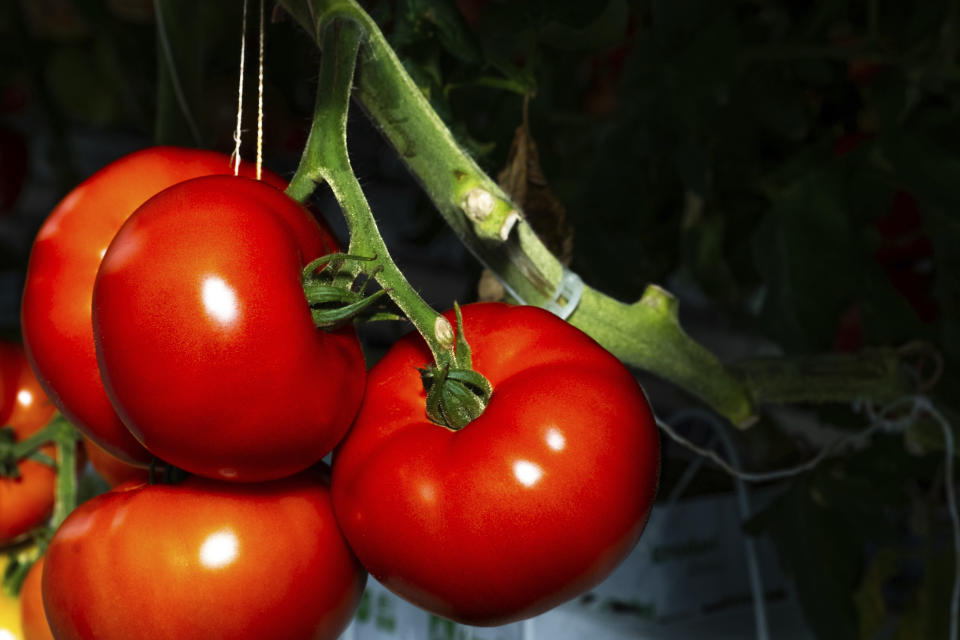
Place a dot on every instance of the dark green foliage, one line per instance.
(798, 162)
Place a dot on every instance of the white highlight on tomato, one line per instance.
(556, 440)
(24, 398)
(527, 473)
(220, 300)
(219, 549)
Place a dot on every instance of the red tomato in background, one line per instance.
(529, 505)
(112, 469)
(205, 340)
(32, 615)
(203, 560)
(66, 254)
(26, 501)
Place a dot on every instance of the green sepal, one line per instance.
(456, 394)
(332, 298)
(42, 458)
(336, 317)
(13, 451)
(20, 560)
(8, 461)
(462, 355)
(455, 397)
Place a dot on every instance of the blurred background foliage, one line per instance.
(793, 166)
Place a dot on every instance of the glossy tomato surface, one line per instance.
(529, 505)
(205, 340)
(55, 314)
(32, 616)
(113, 470)
(203, 560)
(25, 501)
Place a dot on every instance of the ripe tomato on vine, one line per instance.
(56, 307)
(27, 493)
(207, 560)
(527, 506)
(206, 343)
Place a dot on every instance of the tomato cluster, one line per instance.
(164, 313)
(26, 495)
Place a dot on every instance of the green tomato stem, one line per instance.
(325, 158)
(65, 501)
(645, 334)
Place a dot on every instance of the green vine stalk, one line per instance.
(647, 333)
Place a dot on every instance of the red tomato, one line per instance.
(205, 340)
(112, 469)
(32, 615)
(66, 254)
(203, 560)
(529, 505)
(26, 501)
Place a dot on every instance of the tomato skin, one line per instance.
(112, 469)
(529, 505)
(32, 615)
(203, 560)
(205, 340)
(55, 314)
(26, 501)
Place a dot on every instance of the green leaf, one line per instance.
(604, 30)
(178, 122)
(822, 558)
(927, 617)
(810, 258)
(81, 86)
(930, 172)
(869, 598)
(418, 20)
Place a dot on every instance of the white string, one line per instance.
(260, 100)
(934, 413)
(761, 624)
(243, 55)
(174, 76)
(764, 476)
(878, 422)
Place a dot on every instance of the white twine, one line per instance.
(879, 421)
(260, 99)
(243, 55)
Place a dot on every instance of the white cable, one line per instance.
(760, 621)
(878, 422)
(174, 76)
(927, 407)
(688, 474)
(763, 476)
(243, 55)
(260, 100)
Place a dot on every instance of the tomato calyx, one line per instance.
(12, 452)
(336, 296)
(19, 559)
(456, 394)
